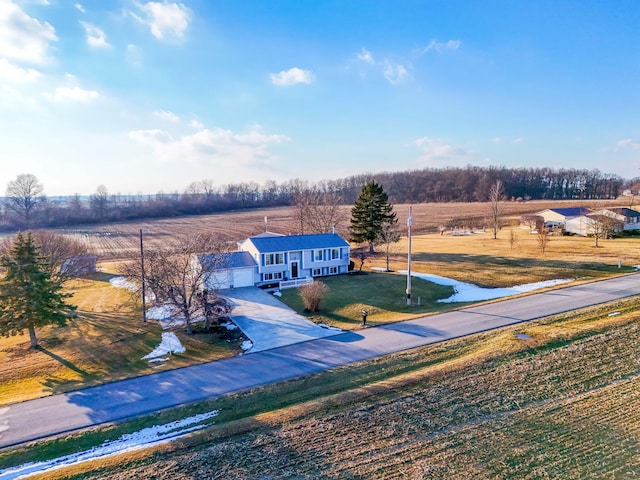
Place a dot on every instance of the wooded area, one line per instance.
(470, 184)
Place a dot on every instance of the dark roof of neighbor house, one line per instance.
(625, 212)
(571, 211)
(226, 260)
(298, 242)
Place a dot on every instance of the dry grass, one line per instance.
(104, 343)
(564, 404)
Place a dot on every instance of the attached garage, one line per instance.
(234, 270)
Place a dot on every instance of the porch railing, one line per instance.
(295, 283)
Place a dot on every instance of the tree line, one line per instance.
(26, 206)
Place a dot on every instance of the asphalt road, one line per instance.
(58, 414)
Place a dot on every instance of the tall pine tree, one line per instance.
(29, 298)
(369, 215)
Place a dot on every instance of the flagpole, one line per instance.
(409, 223)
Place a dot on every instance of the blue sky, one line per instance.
(145, 96)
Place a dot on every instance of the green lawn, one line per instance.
(382, 295)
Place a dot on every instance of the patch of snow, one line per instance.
(523, 336)
(329, 327)
(613, 314)
(636, 267)
(229, 326)
(159, 359)
(160, 312)
(277, 294)
(128, 442)
(468, 292)
(379, 269)
(170, 344)
(121, 282)
(246, 345)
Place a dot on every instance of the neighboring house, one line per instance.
(283, 260)
(79, 265)
(583, 225)
(558, 217)
(630, 219)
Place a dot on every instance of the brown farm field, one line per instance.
(115, 240)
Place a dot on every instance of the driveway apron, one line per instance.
(268, 322)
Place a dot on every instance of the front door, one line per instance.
(294, 269)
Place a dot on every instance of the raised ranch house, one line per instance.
(280, 261)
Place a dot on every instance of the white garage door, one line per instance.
(243, 277)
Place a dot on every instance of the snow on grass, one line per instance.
(246, 345)
(229, 326)
(121, 282)
(160, 312)
(329, 327)
(128, 442)
(468, 292)
(170, 344)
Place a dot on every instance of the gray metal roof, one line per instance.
(571, 212)
(226, 260)
(627, 212)
(291, 243)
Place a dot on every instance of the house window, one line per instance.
(274, 258)
(335, 253)
(272, 276)
(317, 255)
(317, 272)
(333, 270)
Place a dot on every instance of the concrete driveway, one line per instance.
(268, 322)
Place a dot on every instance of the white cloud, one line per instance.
(395, 73)
(196, 124)
(211, 146)
(16, 74)
(437, 153)
(80, 8)
(166, 115)
(73, 94)
(291, 77)
(95, 36)
(627, 144)
(165, 19)
(441, 47)
(365, 56)
(23, 37)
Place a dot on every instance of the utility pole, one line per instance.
(144, 303)
(409, 223)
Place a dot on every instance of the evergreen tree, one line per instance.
(29, 298)
(369, 215)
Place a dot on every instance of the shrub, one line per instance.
(312, 295)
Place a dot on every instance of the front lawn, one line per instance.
(382, 295)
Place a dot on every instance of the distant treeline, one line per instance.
(469, 184)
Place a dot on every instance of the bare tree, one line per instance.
(532, 221)
(513, 238)
(312, 295)
(174, 275)
(543, 238)
(323, 212)
(496, 196)
(362, 253)
(389, 235)
(99, 202)
(24, 194)
(602, 227)
(62, 254)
